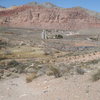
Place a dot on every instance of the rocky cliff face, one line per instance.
(38, 16)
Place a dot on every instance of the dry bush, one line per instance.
(13, 63)
(96, 76)
(49, 73)
(3, 43)
(8, 32)
(58, 36)
(47, 52)
(2, 58)
(80, 70)
(54, 71)
(19, 67)
(94, 38)
(30, 77)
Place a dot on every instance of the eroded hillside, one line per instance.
(39, 16)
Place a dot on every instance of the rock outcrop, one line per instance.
(38, 16)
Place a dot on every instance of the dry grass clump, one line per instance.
(18, 66)
(54, 71)
(96, 76)
(58, 36)
(13, 63)
(49, 73)
(47, 52)
(8, 32)
(94, 38)
(3, 43)
(2, 58)
(30, 77)
(80, 70)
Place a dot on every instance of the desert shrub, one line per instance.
(13, 63)
(9, 32)
(80, 70)
(46, 53)
(3, 43)
(18, 66)
(30, 77)
(83, 65)
(2, 58)
(58, 36)
(54, 71)
(49, 73)
(94, 38)
(96, 76)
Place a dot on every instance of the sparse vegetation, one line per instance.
(2, 58)
(96, 76)
(58, 36)
(29, 59)
(94, 38)
(8, 32)
(54, 71)
(3, 43)
(80, 70)
(19, 67)
(49, 73)
(65, 53)
(13, 63)
(46, 53)
(92, 62)
(30, 77)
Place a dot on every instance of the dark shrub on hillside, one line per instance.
(55, 72)
(96, 76)
(58, 36)
(3, 43)
(13, 63)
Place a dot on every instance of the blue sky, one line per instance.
(90, 4)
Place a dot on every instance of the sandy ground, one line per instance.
(77, 87)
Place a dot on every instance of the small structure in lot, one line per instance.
(52, 34)
(57, 34)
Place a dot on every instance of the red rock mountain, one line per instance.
(39, 16)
